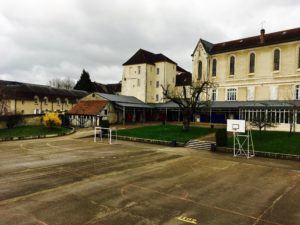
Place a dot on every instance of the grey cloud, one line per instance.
(43, 39)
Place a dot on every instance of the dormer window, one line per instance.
(58, 101)
(36, 100)
(45, 101)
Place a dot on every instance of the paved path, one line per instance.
(67, 180)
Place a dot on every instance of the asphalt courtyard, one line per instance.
(70, 180)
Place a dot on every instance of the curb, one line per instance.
(265, 154)
(73, 130)
(150, 141)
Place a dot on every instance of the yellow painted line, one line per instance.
(187, 219)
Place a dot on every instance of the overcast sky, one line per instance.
(45, 39)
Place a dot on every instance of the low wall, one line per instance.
(264, 154)
(33, 120)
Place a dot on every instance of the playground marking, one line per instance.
(187, 219)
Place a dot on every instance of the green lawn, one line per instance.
(273, 141)
(166, 132)
(26, 131)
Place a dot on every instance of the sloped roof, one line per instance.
(251, 42)
(107, 88)
(123, 100)
(25, 91)
(143, 56)
(89, 108)
(184, 79)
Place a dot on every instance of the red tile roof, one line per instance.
(89, 108)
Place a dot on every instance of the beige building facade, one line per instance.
(145, 73)
(243, 71)
(29, 99)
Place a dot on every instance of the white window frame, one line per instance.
(297, 89)
(227, 94)
(214, 92)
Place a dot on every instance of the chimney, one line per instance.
(262, 36)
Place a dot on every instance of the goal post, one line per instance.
(112, 133)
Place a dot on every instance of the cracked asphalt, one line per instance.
(71, 180)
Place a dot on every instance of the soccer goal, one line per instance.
(110, 133)
(242, 138)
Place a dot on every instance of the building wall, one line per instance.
(28, 107)
(143, 85)
(265, 83)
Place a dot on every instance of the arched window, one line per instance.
(276, 60)
(199, 70)
(252, 63)
(58, 101)
(214, 68)
(299, 57)
(36, 100)
(232, 65)
(45, 100)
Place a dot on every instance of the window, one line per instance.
(150, 83)
(252, 63)
(214, 95)
(214, 68)
(58, 101)
(105, 112)
(46, 101)
(299, 57)
(232, 65)
(157, 84)
(297, 92)
(231, 94)
(157, 71)
(276, 65)
(139, 69)
(67, 101)
(156, 97)
(138, 82)
(36, 100)
(23, 102)
(199, 70)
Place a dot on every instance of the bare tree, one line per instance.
(66, 83)
(261, 121)
(190, 98)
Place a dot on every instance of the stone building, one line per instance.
(27, 99)
(144, 74)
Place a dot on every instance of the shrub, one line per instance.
(12, 121)
(52, 120)
(221, 137)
